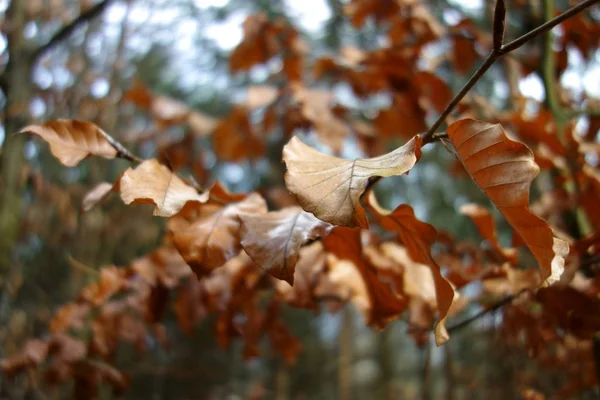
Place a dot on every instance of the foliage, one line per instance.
(242, 258)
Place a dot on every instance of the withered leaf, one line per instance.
(330, 187)
(487, 229)
(71, 140)
(273, 240)
(418, 237)
(97, 195)
(385, 304)
(153, 183)
(504, 170)
(207, 235)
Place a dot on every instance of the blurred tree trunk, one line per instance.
(16, 89)
(345, 354)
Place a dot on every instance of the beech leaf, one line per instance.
(504, 170)
(208, 235)
(153, 183)
(330, 187)
(484, 222)
(97, 195)
(418, 237)
(71, 140)
(384, 303)
(273, 240)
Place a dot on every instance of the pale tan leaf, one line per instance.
(331, 187)
(273, 240)
(71, 140)
(504, 170)
(153, 183)
(97, 195)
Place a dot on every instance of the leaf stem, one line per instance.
(495, 54)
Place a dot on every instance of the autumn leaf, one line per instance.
(207, 235)
(384, 305)
(418, 237)
(504, 170)
(330, 187)
(273, 240)
(72, 141)
(97, 195)
(153, 183)
(484, 222)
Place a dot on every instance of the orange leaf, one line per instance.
(153, 183)
(71, 141)
(273, 240)
(485, 225)
(331, 187)
(504, 170)
(207, 235)
(384, 304)
(418, 237)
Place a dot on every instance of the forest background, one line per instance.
(214, 90)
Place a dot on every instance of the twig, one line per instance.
(122, 152)
(482, 313)
(495, 54)
(68, 29)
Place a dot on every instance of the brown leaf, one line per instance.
(331, 187)
(153, 183)
(418, 237)
(207, 235)
(487, 229)
(34, 353)
(71, 140)
(384, 305)
(97, 195)
(504, 170)
(273, 240)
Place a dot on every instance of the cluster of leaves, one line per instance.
(249, 260)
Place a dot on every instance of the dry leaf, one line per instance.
(71, 141)
(384, 305)
(207, 235)
(96, 196)
(273, 240)
(504, 170)
(331, 187)
(418, 237)
(153, 183)
(487, 229)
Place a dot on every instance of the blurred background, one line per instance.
(160, 76)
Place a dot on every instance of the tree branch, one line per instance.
(482, 313)
(68, 29)
(428, 136)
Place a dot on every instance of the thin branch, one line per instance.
(489, 61)
(499, 24)
(66, 31)
(428, 136)
(482, 313)
(515, 44)
(122, 152)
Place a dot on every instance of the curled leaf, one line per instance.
(504, 170)
(273, 240)
(330, 187)
(71, 140)
(153, 183)
(380, 304)
(485, 225)
(97, 195)
(418, 237)
(208, 235)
